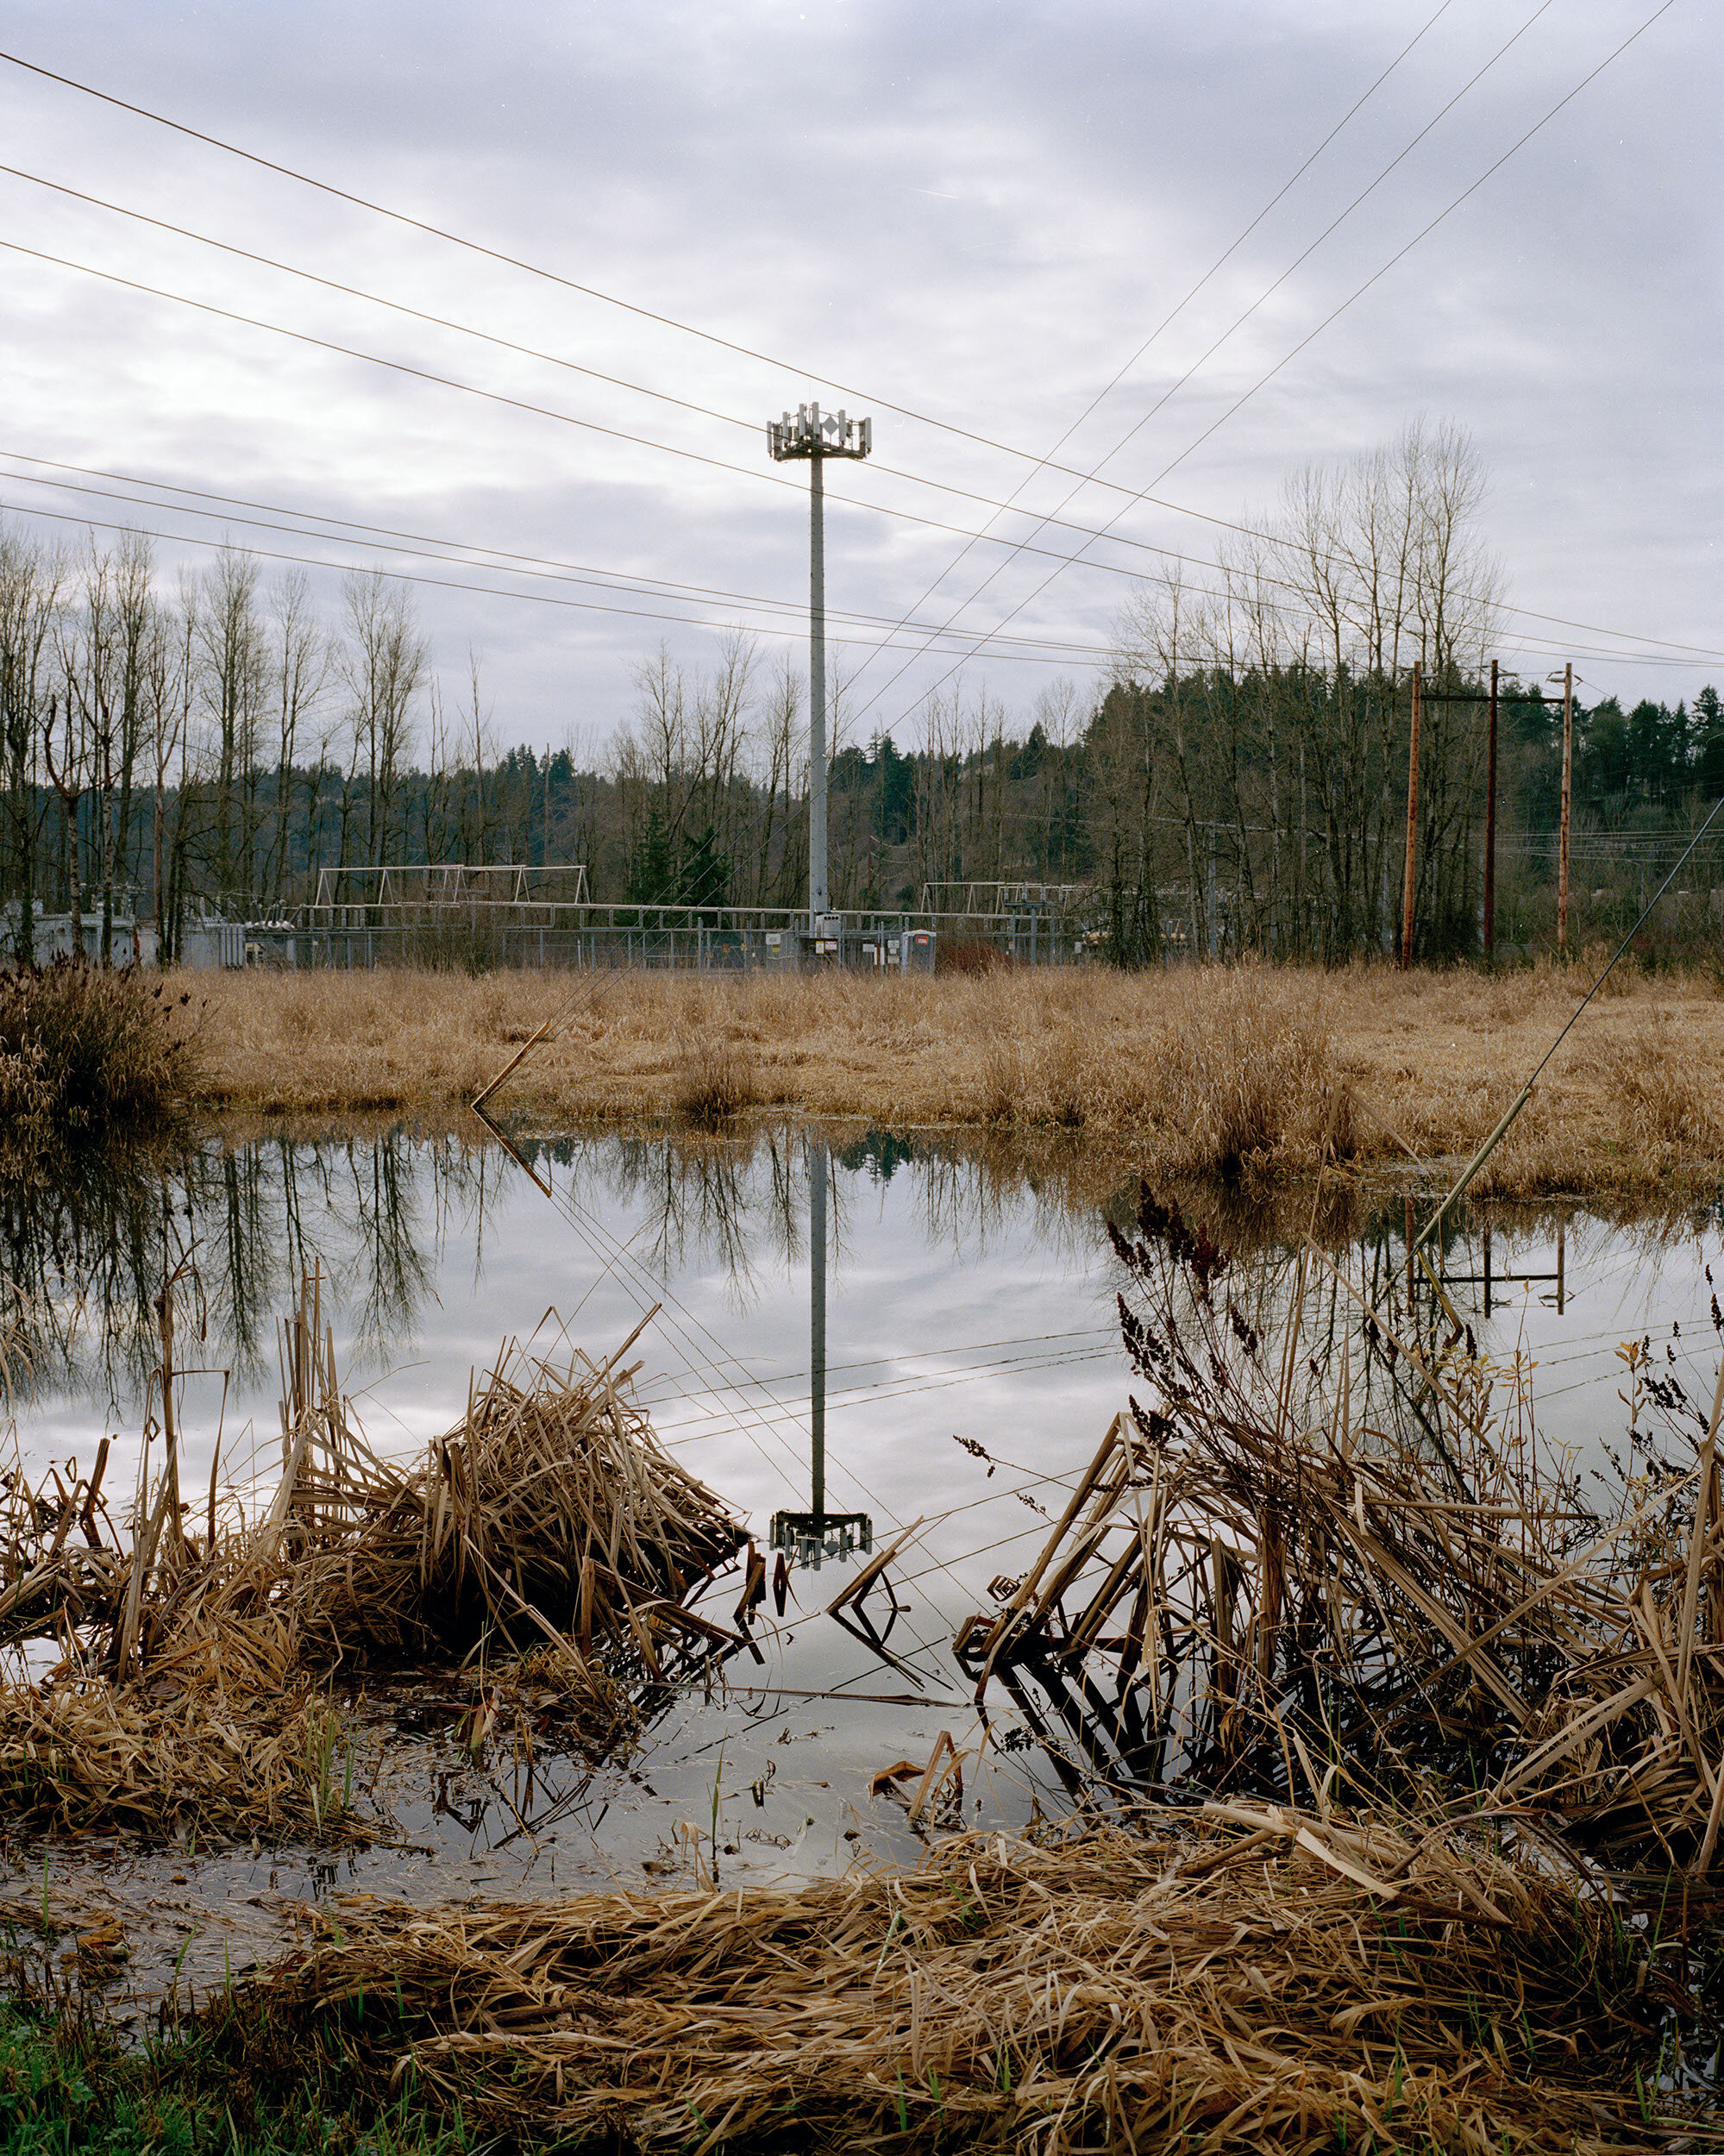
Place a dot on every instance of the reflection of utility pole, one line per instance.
(810, 1536)
(817, 1321)
(814, 435)
(1490, 851)
(1501, 1276)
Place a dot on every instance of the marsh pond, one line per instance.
(937, 1388)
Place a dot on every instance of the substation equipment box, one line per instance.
(832, 945)
(902, 950)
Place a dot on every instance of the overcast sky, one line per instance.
(975, 213)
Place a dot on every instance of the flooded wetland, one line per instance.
(934, 1392)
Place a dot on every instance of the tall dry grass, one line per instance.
(86, 1051)
(1245, 1071)
(718, 1081)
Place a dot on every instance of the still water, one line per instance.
(973, 1363)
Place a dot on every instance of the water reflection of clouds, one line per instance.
(968, 1300)
(971, 1300)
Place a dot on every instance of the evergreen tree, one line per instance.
(1709, 743)
(705, 875)
(652, 877)
(894, 808)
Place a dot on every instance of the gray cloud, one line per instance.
(976, 211)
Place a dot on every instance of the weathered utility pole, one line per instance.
(1412, 828)
(1490, 828)
(815, 436)
(1568, 799)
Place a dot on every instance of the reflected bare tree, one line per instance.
(82, 1260)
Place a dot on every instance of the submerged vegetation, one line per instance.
(88, 1053)
(1283, 1585)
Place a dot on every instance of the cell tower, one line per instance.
(814, 435)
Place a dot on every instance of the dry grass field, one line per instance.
(1249, 1070)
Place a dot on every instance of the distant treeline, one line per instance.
(1239, 783)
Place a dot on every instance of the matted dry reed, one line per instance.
(1243, 1979)
(549, 1511)
(201, 1762)
(548, 1521)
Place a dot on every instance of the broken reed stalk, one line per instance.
(1227, 1978)
(1230, 1599)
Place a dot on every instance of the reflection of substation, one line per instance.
(808, 1537)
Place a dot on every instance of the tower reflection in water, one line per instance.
(808, 1537)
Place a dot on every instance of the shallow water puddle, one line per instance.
(973, 1362)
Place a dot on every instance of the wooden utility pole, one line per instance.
(1412, 829)
(1568, 798)
(1490, 827)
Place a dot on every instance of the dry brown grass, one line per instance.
(1227, 1982)
(1225, 1067)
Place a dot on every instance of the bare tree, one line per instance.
(31, 581)
(168, 689)
(382, 663)
(300, 669)
(232, 676)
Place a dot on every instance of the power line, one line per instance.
(1044, 652)
(398, 367)
(975, 638)
(376, 299)
(538, 565)
(1377, 275)
(455, 239)
(1175, 311)
(512, 564)
(647, 441)
(1335, 313)
(456, 583)
(1173, 388)
(973, 643)
(1091, 1332)
(495, 254)
(970, 642)
(546, 411)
